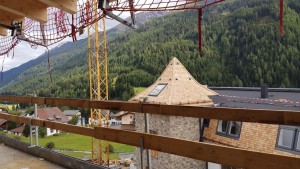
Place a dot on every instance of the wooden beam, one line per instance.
(3, 32)
(4, 116)
(283, 117)
(6, 18)
(70, 128)
(69, 6)
(27, 8)
(200, 151)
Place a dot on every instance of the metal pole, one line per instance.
(147, 131)
(30, 127)
(36, 127)
(141, 151)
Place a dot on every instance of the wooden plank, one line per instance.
(49, 124)
(117, 105)
(20, 99)
(4, 116)
(196, 150)
(38, 100)
(6, 18)
(200, 151)
(38, 122)
(13, 118)
(26, 8)
(69, 102)
(235, 114)
(24, 120)
(69, 6)
(70, 128)
(3, 32)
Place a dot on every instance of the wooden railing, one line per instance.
(201, 151)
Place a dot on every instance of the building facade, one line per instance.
(274, 139)
(52, 114)
(175, 86)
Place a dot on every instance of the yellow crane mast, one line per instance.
(98, 71)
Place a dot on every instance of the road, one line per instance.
(14, 159)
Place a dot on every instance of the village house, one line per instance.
(275, 139)
(73, 113)
(3, 124)
(123, 120)
(52, 114)
(125, 117)
(17, 131)
(177, 87)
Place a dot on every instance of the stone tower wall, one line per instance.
(177, 127)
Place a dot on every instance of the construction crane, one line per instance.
(47, 23)
(98, 72)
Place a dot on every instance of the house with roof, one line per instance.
(52, 114)
(275, 139)
(73, 113)
(18, 131)
(123, 120)
(175, 86)
(125, 117)
(3, 124)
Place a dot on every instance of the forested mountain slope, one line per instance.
(241, 47)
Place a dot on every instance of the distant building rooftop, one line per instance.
(71, 112)
(52, 114)
(278, 98)
(2, 121)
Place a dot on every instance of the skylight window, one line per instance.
(156, 91)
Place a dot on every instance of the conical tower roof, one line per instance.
(176, 86)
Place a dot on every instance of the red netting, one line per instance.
(61, 24)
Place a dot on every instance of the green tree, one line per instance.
(74, 120)
(11, 125)
(50, 145)
(26, 131)
(42, 132)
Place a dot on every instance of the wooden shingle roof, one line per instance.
(180, 88)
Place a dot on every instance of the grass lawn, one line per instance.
(138, 90)
(75, 142)
(8, 106)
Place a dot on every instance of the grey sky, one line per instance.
(24, 53)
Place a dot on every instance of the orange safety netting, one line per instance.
(60, 24)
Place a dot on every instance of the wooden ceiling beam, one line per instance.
(27, 8)
(6, 18)
(69, 6)
(3, 32)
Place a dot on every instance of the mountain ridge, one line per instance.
(241, 47)
(9, 75)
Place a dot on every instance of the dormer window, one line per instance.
(57, 116)
(50, 118)
(229, 128)
(288, 139)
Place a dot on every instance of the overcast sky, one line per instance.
(24, 53)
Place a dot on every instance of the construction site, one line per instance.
(176, 122)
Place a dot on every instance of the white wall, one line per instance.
(127, 118)
(213, 166)
(54, 131)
